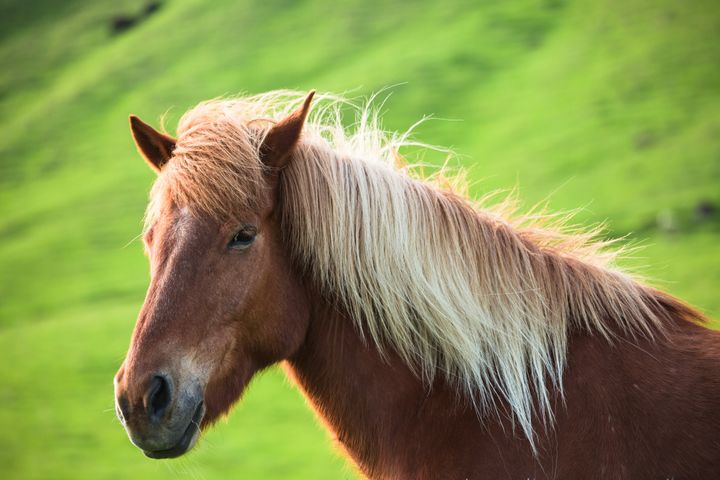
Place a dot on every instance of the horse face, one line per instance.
(223, 302)
(221, 305)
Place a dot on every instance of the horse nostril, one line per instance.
(158, 397)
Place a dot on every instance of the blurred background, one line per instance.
(610, 106)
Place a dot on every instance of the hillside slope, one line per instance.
(612, 107)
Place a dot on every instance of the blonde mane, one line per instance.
(475, 295)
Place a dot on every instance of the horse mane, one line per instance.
(476, 294)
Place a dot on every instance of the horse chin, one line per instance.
(218, 408)
(222, 394)
(187, 441)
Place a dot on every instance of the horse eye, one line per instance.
(243, 238)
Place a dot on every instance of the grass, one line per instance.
(613, 108)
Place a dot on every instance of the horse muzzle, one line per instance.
(160, 418)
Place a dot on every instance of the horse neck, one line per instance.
(391, 424)
(362, 397)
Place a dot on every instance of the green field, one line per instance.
(610, 107)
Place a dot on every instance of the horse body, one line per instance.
(435, 338)
(633, 409)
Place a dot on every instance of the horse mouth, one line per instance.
(186, 442)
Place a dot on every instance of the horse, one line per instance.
(436, 336)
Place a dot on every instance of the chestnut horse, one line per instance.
(434, 336)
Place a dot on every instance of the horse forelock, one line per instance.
(480, 295)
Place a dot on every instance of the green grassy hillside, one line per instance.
(609, 106)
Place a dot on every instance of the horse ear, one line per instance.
(284, 135)
(155, 147)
